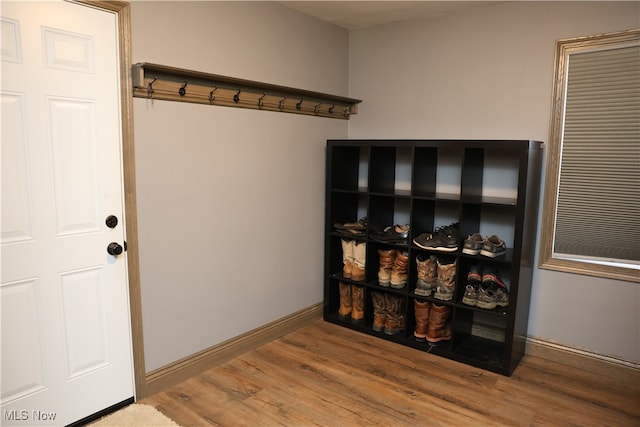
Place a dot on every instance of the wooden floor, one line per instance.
(325, 375)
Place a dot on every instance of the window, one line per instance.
(591, 216)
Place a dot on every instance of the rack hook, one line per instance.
(260, 102)
(183, 89)
(281, 103)
(347, 111)
(150, 88)
(316, 109)
(299, 105)
(211, 97)
(236, 97)
(331, 108)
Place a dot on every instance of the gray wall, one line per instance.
(230, 201)
(488, 73)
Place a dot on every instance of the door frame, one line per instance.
(122, 10)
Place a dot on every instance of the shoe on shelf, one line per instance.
(486, 298)
(387, 258)
(427, 275)
(399, 270)
(446, 280)
(444, 239)
(474, 279)
(493, 292)
(360, 224)
(493, 278)
(470, 296)
(397, 234)
(473, 244)
(493, 247)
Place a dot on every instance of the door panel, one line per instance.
(66, 334)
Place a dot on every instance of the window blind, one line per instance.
(598, 204)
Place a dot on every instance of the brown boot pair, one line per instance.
(432, 322)
(388, 313)
(351, 302)
(393, 268)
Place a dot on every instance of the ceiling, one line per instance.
(354, 15)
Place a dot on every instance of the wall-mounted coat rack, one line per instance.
(174, 84)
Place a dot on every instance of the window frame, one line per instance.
(547, 260)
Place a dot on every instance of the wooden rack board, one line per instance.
(174, 84)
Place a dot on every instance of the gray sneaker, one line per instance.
(473, 244)
(493, 247)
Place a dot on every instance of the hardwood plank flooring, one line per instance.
(326, 375)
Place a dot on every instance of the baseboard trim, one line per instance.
(174, 373)
(579, 358)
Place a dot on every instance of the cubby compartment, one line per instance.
(477, 186)
(382, 170)
(345, 176)
(480, 336)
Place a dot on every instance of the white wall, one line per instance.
(487, 73)
(230, 201)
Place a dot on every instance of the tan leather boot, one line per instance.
(345, 301)
(379, 311)
(427, 275)
(446, 281)
(359, 260)
(347, 258)
(422, 319)
(357, 303)
(439, 328)
(387, 257)
(395, 314)
(399, 270)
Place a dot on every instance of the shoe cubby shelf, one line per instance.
(479, 186)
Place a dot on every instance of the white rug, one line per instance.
(135, 415)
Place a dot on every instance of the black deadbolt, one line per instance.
(114, 249)
(111, 221)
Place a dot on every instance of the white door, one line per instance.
(66, 336)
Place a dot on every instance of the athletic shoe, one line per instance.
(444, 239)
(473, 244)
(493, 247)
(474, 279)
(393, 234)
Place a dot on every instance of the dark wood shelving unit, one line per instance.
(484, 185)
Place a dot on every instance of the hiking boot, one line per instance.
(347, 258)
(473, 244)
(444, 239)
(446, 280)
(357, 303)
(422, 319)
(439, 329)
(427, 275)
(387, 257)
(396, 234)
(359, 259)
(474, 279)
(394, 323)
(399, 270)
(379, 311)
(345, 301)
(493, 247)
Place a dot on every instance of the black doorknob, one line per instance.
(114, 249)
(111, 221)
